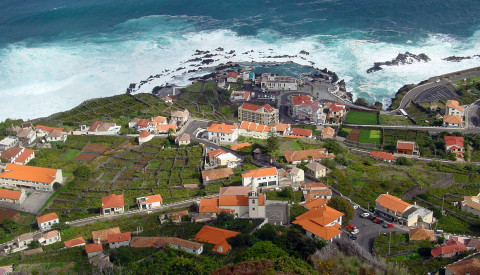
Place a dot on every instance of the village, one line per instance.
(274, 152)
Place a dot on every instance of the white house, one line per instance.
(112, 204)
(50, 237)
(296, 175)
(27, 136)
(101, 128)
(45, 222)
(188, 246)
(255, 130)
(323, 223)
(281, 83)
(149, 202)
(8, 143)
(56, 135)
(179, 117)
(144, 136)
(222, 133)
(260, 177)
(120, 239)
(453, 108)
(232, 77)
(17, 197)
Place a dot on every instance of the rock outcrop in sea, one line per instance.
(401, 59)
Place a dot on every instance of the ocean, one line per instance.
(56, 54)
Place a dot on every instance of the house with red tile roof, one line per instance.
(264, 114)
(452, 121)
(232, 77)
(470, 266)
(149, 202)
(101, 128)
(452, 107)
(236, 96)
(328, 133)
(216, 174)
(421, 234)
(314, 204)
(165, 128)
(388, 157)
(336, 112)
(74, 242)
(22, 176)
(323, 223)
(407, 147)
(281, 129)
(300, 132)
(145, 136)
(176, 243)
(50, 237)
(215, 236)
(18, 155)
(296, 157)
(238, 200)
(119, 239)
(255, 130)
(220, 157)
(112, 204)
(101, 236)
(391, 206)
(222, 133)
(12, 196)
(46, 221)
(449, 249)
(454, 145)
(93, 249)
(239, 146)
(261, 177)
(44, 130)
(183, 139)
(315, 190)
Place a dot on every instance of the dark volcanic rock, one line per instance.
(207, 61)
(454, 58)
(401, 59)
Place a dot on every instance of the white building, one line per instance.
(101, 128)
(255, 130)
(8, 143)
(120, 239)
(50, 237)
(453, 108)
(56, 135)
(12, 196)
(222, 133)
(149, 202)
(45, 222)
(260, 177)
(281, 83)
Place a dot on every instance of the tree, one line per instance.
(342, 133)
(403, 161)
(33, 245)
(56, 186)
(262, 250)
(362, 102)
(273, 144)
(83, 172)
(248, 159)
(344, 206)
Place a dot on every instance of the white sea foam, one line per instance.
(46, 78)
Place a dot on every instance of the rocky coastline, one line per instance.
(401, 59)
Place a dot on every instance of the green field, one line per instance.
(394, 120)
(70, 154)
(370, 136)
(357, 117)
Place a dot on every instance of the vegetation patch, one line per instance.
(359, 117)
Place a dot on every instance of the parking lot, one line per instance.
(368, 230)
(32, 203)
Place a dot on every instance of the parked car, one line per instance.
(352, 237)
(355, 231)
(380, 221)
(376, 220)
(388, 225)
(365, 215)
(372, 218)
(355, 206)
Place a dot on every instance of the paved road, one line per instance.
(412, 94)
(431, 129)
(473, 115)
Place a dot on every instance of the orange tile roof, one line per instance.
(240, 146)
(232, 74)
(452, 246)
(315, 221)
(47, 128)
(47, 217)
(260, 172)
(10, 194)
(74, 242)
(290, 136)
(148, 242)
(454, 105)
(314, 194)
(314, 204)
(216, 174)
(152, 199)
(299, 99)
(94, 126)
(256, 108)
(464, 267)
(244, 94)
(144, 134)
(215, 153)
(142, 122)
(209, 206)
(452, 140)
(302, 132)
(420, 234)
(112, 200)
(405, 145)
(392, 203)
(165, 127)
(184, 243)
(11, 152)
(280, 127)
(328, 131)
(316, 184)
(29, 173)
(252, 126)
(159, 119)
(103, 234)
(215, 236)
(94, 247)
(238, 200)
(304, 154)
(222, 128)
(50, 234)
(453, 119)
(120, 237)
(24, 156)
(382, 155)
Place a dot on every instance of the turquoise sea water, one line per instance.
(55, 54)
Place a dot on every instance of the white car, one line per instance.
(355, 231)
(365, 215)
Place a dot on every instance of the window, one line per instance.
(253, 209)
